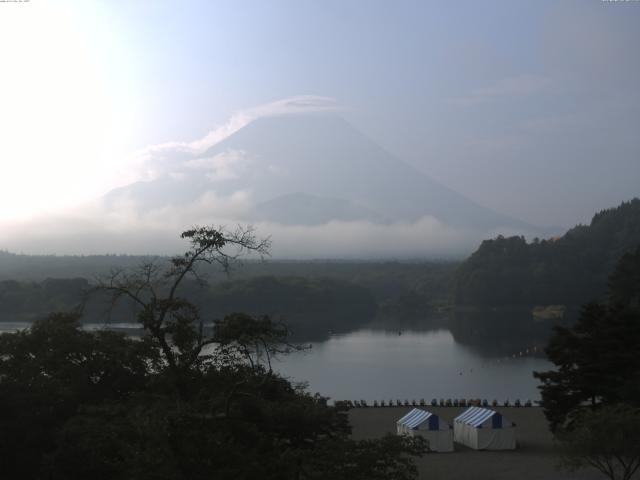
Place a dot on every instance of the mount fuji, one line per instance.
(305, 169)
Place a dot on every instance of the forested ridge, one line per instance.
(311, 296)
(308, 306)
(387, 280)
(569, 270)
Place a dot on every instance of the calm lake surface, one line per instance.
(378, 365)
(382, 365)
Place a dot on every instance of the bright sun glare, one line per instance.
(59, 118)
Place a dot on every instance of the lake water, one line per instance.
(381, 365)
(378, 365)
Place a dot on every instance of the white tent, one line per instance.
(428, 425)
(484, 429)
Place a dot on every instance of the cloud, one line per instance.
(157, 233)
(520, 85)
(159, 159)
(223, 166)
(365, 239)
(125, 214)
(121, 228)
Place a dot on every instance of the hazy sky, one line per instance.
(529, 108)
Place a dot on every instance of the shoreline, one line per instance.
(535, 458)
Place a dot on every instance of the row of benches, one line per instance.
(434, 403)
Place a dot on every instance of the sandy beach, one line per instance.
(535, 459)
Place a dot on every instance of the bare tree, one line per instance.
(256, 341)
(173, 322)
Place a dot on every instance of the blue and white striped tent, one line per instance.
(428, 425)
(484, 429)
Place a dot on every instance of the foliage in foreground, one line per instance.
(597, 359)
(607, 439)
(597, 363)
(176, 403)
(592, 399)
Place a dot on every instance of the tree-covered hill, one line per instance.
(570, 270)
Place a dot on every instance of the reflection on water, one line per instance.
(496, 333)
(378, 365)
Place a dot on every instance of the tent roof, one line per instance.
(415, 418)
(475, 416)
